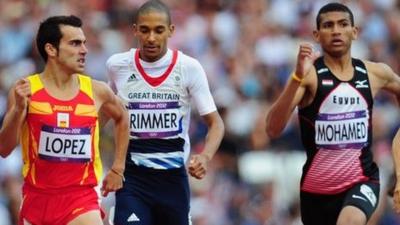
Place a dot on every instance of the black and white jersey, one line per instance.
(336, 132)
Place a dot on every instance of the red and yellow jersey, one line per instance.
(60, 138)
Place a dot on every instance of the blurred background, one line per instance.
(248, 49)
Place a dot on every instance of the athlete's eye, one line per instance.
(77, 43)
(327, 25)
(144, 30)
(160, 30)
(344, 24)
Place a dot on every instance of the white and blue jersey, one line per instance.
(158, 97)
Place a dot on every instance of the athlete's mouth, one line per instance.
(81, 61)
(337, 41)
(150, 47)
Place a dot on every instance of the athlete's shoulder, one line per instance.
(189, 62)
(377, 68)
(374, 65)
(100, 88)
(120, 59)
(99, 84)
(186, 58)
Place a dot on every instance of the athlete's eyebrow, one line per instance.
(77, 41)
(336, 21)
(344, 20)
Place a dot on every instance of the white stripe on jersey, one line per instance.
(187, 80)
(145, 159)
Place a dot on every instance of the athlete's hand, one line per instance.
(198, 166)
(305, 59)
(112, 182)
(22, 92)
(396, 199)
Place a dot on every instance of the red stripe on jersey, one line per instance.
(47, 173)
(155, 81)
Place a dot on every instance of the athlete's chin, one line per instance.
(79, 70)
(152, 54)
(336, 53)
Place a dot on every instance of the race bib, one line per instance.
(342, 129)
(65, 144)
(155, 120)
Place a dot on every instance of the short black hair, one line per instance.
(49, 32)
(153, 5)
(334, 7)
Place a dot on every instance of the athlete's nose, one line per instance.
(152, 36)
(336, 29)
(84, 49)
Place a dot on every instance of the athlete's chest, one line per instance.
(134, 87)
(344, 97)
(63, 130)
(43, 110)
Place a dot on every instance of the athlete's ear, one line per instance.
(134, 28)
(355, 32)
(50, 50)
(171, 30)
(316, 35)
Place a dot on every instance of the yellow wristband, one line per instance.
(296, 78)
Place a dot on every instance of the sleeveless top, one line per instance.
(336, 131)
(60, 138)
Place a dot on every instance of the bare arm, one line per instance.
(282, 109)
(198, 163)
(293, 93)
(383, 77)
(390, 80)
(15, 116)
(112, 107)
(396, 159)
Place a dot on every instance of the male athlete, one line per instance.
(55, 116)
(334, 94)
(157, 85)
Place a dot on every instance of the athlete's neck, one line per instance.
(58, 78)
(339, 65)
(148, 59)
(59, 84)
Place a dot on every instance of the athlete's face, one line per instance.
(335, 33)
(152, 31)
(72, 50)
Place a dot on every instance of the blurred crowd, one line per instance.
(248, 49)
